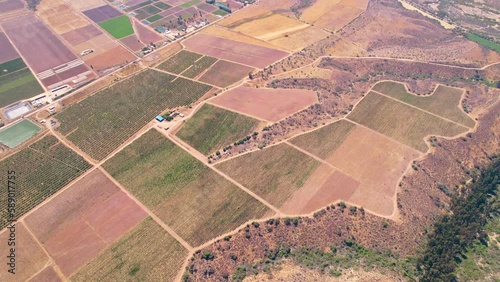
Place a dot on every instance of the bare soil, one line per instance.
(269, 104)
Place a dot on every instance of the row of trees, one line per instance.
(455, 232)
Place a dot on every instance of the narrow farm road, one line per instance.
(204, 160)
(148, 211)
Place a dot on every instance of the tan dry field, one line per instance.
(270, 27)
(82, 5)
(100, 44)
(60, 16)
(224, 32)
(284, 31)
(268, 104)
(46, 275)
(377, 163)
(114, 57)
(81, 35)
(83, 220)
(318, 9)
(367, 167)
(280, 6)
(30, 258)
(300, 39)
(325, 186)
(341, 14)
(247, 15)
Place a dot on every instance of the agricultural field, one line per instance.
(147, 253)
(82, 221)
(118, 27)
(18, 133)
(46, 166)
(166, 13)
(283, 31)
(199, 66)
(47, 274)
(333, 15)
(223, 32)
(444, 101)
(180, 62)
(103, 121)
(401, 122)
(273, 173)
(195, 201)
(212, 128)
(16, 80)
(81, 33)
(43, 51)
(11, 5)
(234, 51)
(18, 85)
(268, 104)
(102, 13)
(30, 258)
(225, 74)
(324, 141)
(366, 167)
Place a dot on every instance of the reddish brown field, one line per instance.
(224, 73)
(132, 42)
(37, 44)
(375, 161)
(83, 220)
(243, 53)
(10, 5)
(30, 258)
(80, 35)
(114, 57)
(268, 104)
(7, 52)
(145, 35)
(46, 275)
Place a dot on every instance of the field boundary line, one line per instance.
(317, 158)
(24, 60)
(462, 95)
(237, 112)
(56, 267)
(388, 137)
(181, 76)
(57, 160)
(188, 149)
(148, 211)
(73, 148)
(425, 111)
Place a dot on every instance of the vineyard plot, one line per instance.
(100, 123)
(41, 170)
(196, 202)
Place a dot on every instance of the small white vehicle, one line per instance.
(86, 52)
